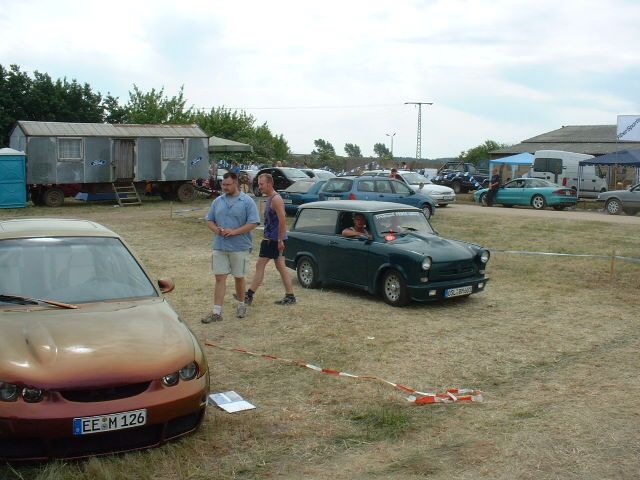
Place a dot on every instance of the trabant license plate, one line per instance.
(456, 292)
(447, 197)
(287, 200)
(334, 198)
(107, 423)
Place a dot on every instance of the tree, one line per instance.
(352, 150)
(154, 107)
(481, 152)
(325, 156)
(381, 150)
(40, 98)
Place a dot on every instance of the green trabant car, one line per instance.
(402, 258)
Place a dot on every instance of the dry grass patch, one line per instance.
(553, 343)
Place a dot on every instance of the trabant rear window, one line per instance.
(336, 185)
(316, 220)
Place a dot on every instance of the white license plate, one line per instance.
(287, 200)
(334, 198)
(107, 423)
(456, 292)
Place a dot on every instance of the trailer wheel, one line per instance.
(186, 192)
(53, 197)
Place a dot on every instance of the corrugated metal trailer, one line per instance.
(64, 158)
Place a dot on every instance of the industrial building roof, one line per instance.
(589, 139)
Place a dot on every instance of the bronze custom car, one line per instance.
(93, 359)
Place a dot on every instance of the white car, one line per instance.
(441, 195)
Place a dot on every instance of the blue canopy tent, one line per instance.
(628, 158)
(514, 161)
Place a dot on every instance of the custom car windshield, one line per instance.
(71, 269)
(402, 222)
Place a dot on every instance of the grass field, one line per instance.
(553, 344)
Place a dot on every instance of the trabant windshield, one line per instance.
(400, 222)
(413, 178)
(71, 269)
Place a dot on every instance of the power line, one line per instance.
(305, 107)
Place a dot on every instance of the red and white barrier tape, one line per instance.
(450, 395)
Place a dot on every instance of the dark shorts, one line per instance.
(269, 248)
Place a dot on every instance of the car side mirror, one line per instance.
(166, 285)
(412, 192)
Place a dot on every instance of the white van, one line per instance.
(561, 167)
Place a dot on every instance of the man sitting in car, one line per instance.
(359, 228)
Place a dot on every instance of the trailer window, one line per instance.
(173, 148)
(69, 149)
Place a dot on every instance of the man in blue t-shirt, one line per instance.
(231, 218)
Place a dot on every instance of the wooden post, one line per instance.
(613, 264)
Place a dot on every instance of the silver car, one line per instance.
(627, 201)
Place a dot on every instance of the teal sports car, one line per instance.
(399, 256)
(534, 192)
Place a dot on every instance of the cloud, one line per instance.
(505, 70)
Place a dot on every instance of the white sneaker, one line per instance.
(242, 311)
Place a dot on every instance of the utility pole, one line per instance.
(419, 142)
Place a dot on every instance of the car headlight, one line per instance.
(171, 379)
(32, 394)
(426, 263)
(484, 256)
(189, 372)
(8, 392)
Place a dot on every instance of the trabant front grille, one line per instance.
(452, 270)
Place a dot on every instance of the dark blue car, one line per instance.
(302, 191)
(376, 188)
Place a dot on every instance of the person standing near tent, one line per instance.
(494, 185)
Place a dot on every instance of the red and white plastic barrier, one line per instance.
(417, 397)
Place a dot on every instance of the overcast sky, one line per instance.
(341, 70)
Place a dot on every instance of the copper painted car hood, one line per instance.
(101, 344)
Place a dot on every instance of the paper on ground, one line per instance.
(230, 402)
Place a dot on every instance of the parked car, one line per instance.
(535, 192)
(283, 177)
(302, 191)
(617, 201)
(318, 173)
(404, 260)
(92, 357)
(442, 195)
(376, 188)
(462, 177)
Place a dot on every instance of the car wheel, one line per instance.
(558, 207)
(394, 289)
(613, 206)
(457, 188)
(537, 202)
(186, 192)
(53, 197)
(307, 273)
(256, 190)
(426, 209)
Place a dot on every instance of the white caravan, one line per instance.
(562, 168)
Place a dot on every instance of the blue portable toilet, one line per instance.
(13, 179)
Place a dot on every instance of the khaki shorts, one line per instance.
(235, 263)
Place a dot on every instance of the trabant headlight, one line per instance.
(189, 372)
(426, 263)
(484, 256)
(8, 392)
